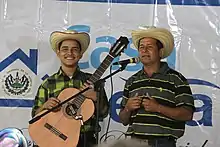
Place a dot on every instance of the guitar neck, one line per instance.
(95, 77)
(101, 69)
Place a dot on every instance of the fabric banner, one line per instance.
(26, 57)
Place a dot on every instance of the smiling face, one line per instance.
(149, 52)
(69, 53)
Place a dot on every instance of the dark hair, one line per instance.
(158, 43)
(59, 45)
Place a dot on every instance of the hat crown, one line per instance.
(146, 27)
(71, 31)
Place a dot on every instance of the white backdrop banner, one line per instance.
(26, 57)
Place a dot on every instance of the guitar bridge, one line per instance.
(55, 131)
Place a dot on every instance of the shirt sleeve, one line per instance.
(125, 95)
(40, 98)
(183, 94)
(103, 105)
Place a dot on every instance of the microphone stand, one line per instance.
(204, 143)
(99, 88)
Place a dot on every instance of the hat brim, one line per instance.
(57, 37)
(161, 34)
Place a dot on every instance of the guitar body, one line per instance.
(61, 129)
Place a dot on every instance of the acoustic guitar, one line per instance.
(62, 128)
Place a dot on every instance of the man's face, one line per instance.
(69, 53)
(148, 51)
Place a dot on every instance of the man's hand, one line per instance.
(133, 103)
(90, 93)
(50, 103)
(150, 104)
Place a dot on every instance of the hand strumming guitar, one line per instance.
(50, 103)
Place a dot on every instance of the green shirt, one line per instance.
(53, 85)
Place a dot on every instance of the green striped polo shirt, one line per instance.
(169, 88)
(53, 85)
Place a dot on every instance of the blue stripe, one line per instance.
(173, 2)
(29, 103)
(15, 103)
(202, 82)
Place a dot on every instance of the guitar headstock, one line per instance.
(119, 46)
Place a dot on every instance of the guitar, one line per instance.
(62, 128)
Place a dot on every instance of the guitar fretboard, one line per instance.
(95, 77)
(101, 69)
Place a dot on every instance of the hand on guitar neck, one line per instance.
(90, 93)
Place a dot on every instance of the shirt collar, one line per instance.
(162, 70)
(62, 73)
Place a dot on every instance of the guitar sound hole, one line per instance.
(71, 109)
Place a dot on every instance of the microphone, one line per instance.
(132, 60)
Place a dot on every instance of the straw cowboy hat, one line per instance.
(161, 34)
(58, 36)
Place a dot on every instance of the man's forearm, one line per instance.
(179, 113)
(39, 110)
(124, 116)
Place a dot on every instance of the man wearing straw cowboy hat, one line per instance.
(69, 47)
(157, 100)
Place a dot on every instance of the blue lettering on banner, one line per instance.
(206, 109)
(115, 106)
